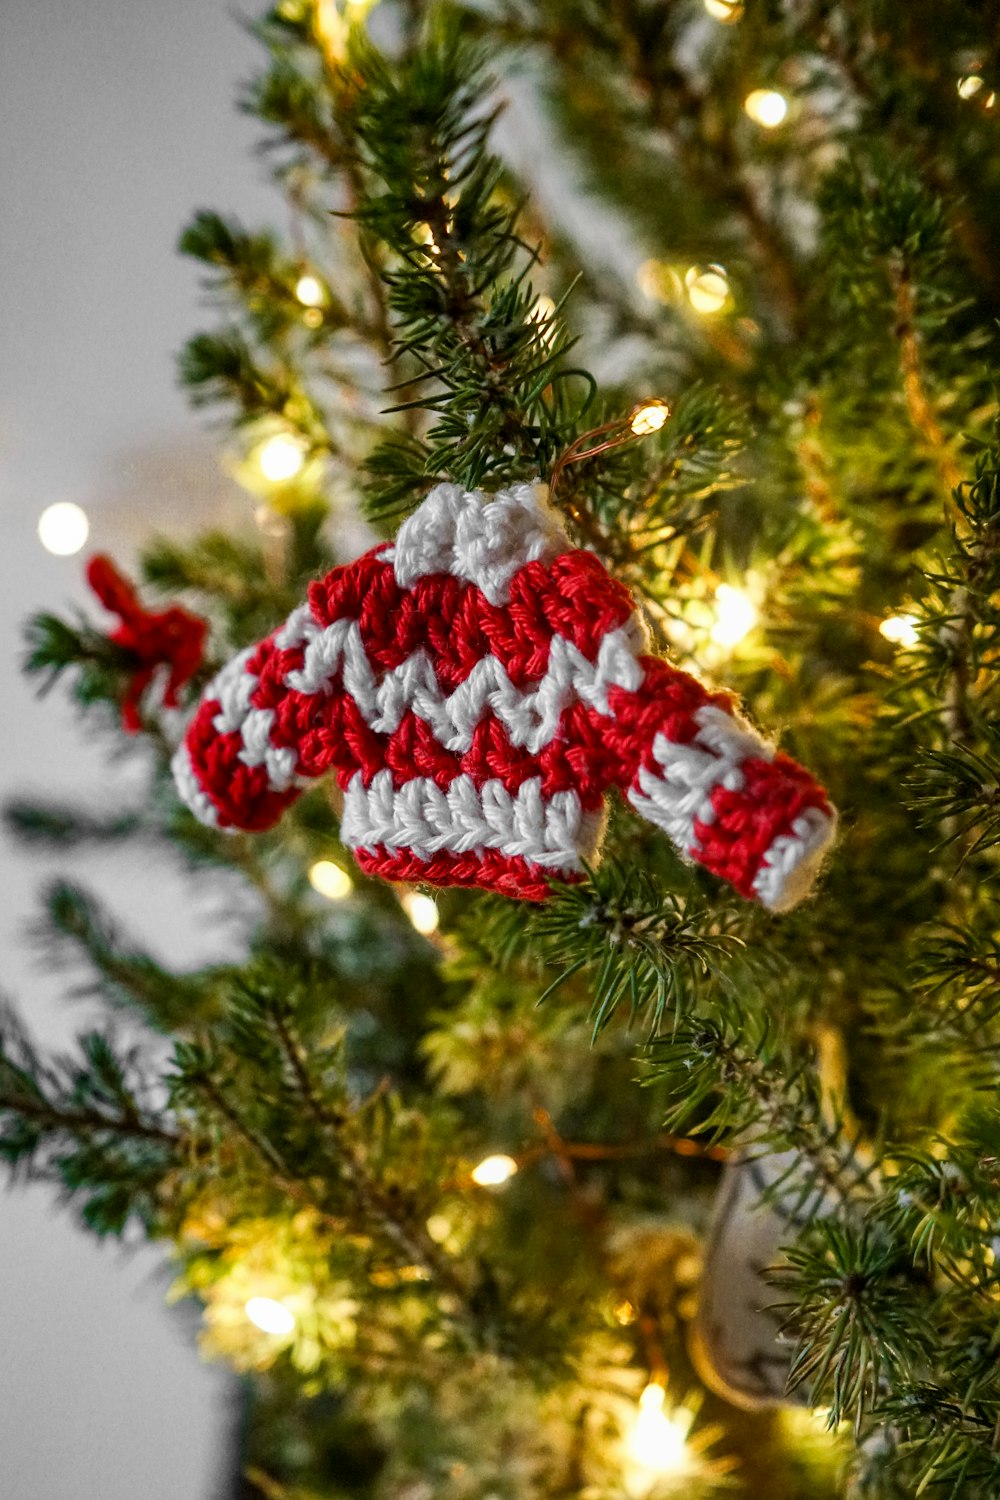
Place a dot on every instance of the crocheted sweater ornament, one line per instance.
(477, 687)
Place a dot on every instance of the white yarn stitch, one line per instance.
(421, 818)
(787, 870)
(232, 687)
(479, 538)
(190, 788)
(531, 716)
(681, 795)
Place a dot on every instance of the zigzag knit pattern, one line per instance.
(476, 688)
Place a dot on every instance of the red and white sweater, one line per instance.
(477, 687)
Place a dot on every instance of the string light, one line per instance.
(494, 1170)
(766, 107)
(726, 11)
(901, 630)
(270, 1316)
(424, 235)
(330, 880)
(543, 309)
(280, 457)
(656, 1443)
(439, 1227)
(970, 85)
(422, 912)
(309, 291)
(649, 418)
(63, 528)
(543, 316)
(735, 615)
(812, 1424)
(707, 288)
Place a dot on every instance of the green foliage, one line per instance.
(75, 928)
(830, 447)
(54, 646)
(489, 365)
(60, 825)
(656, 950)
(86, 1122)
(855, 1318)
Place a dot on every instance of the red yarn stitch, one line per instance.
(172, 637)
(773, 795)
(487, 868)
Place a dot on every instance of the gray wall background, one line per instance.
(116, 120)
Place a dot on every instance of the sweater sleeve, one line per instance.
(726, 798)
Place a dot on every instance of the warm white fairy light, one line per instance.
(440, 1228)
(735, 615)
(656, 1443)
(901, 630)
(330, 880)
(543, 315)
(766, 107)
(424, 235)
(492, 1171)
(63, 528)
(280, 457)
(970, 85)
(726, 11)
(649, 418)
(309, 291)
(270, 1316)
(707, 288)
(422, 911)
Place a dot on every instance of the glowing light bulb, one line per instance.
(494, 1170)
(330, 880)
(424, 235)
(422, 911)
(543, 309)
(970, 85)
(726, 11)
(766, 107)
(439, 1227)
(269, 1315)
(280, 457)
(656, 1444)
(901, 630)
(735, 615)
(707, 288)
(63, 528)
(649, 418)
(309, 291)
(543, 315)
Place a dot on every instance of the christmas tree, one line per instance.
(676, 1176)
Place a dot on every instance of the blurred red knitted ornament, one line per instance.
(171, 637)
(477, 687)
